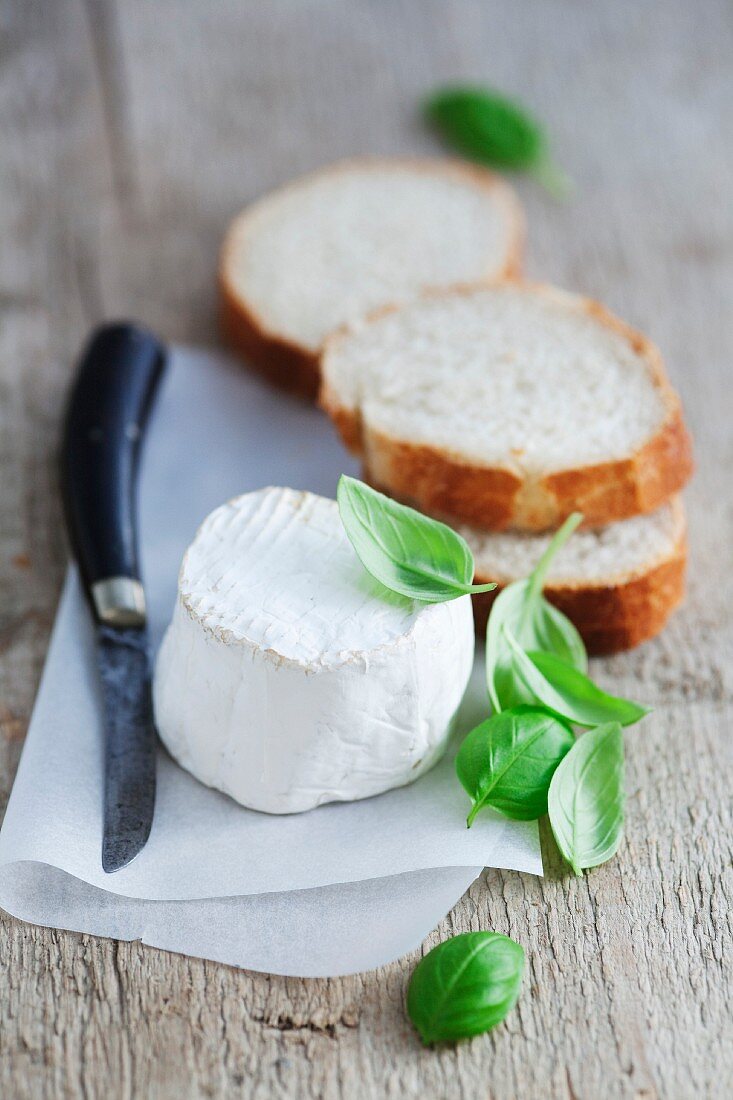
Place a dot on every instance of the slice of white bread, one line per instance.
(618, 584)
(360, 234)
(508, 406)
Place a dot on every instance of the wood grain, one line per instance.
(131, 133)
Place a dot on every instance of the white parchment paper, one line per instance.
(342, 888)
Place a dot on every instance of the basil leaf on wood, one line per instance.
(567, 692)
(536, 625)
(405, 550)
(586, 799)
(492, 129)
(465, 986)
(507, 762)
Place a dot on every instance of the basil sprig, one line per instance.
(586, 798)
(536, 625)
(552, 682)
(490, 128)
(465, 986)
(406, 551)
(507, 762)
(536, 659)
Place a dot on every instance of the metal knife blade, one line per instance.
(129, 795)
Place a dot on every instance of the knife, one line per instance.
(109, 404)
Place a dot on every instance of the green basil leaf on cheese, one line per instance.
(568, 693)
(465, 986)
(406, 551)
(586, 798)
(536, 625)
(507, 761)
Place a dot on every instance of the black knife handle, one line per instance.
(108, 408)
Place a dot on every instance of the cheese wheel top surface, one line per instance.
(274, 570)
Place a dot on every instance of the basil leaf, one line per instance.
(464, 986)
(507, 762)
(490, 128)
(586, 799)
(536, 625)
(405, 550)
(567, 692)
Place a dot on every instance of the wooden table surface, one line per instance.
(130, 133)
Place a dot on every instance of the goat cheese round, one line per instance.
(288, 676)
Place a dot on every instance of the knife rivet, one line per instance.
(119, 601)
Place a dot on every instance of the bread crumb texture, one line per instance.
(335, 245)
(501, 376)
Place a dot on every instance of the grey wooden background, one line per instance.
(130, 133)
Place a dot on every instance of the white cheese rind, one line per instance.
(262, 689)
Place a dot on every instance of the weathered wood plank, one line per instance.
(131, 133)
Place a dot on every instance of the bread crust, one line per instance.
(284, 364)
(615, 616)
(499, 497)
(295, 367)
